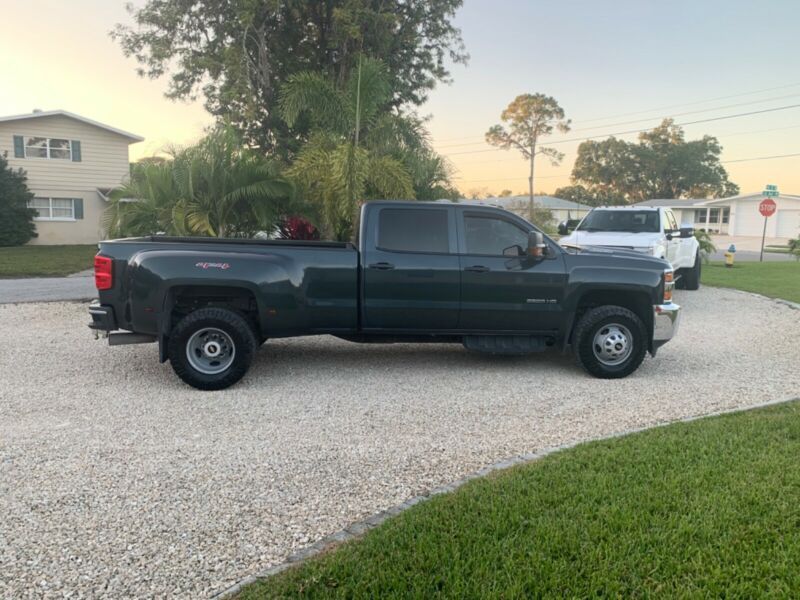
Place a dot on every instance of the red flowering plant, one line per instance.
(297, 228)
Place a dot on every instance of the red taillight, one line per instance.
(103, 279)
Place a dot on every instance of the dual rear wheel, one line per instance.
(212, 348)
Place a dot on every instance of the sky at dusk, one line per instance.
(613, 66)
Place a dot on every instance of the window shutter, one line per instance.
(77, 204)
(19, 147)
(76, 151)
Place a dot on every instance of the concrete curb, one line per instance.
(359, 528)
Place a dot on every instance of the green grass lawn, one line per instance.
(773, 279)
(703, 509)
(45, 261)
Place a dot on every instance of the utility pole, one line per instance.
(530, 182)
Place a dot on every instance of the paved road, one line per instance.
(748, 256)
(46, 289)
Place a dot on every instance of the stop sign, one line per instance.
(767, 207)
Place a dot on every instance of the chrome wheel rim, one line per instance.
(210, 351)
(612, 344)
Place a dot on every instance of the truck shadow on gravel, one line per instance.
(287, 359)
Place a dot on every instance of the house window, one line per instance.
(726, 214)
(54, 209)
(41, 147)
(700, 215)
(713, 215)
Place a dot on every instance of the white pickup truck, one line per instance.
(652, 231)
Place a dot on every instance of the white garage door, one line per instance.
(748, 220)
(788, 223)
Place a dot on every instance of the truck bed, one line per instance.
(239, 241)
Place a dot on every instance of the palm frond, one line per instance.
(372, 89)
(315, 94)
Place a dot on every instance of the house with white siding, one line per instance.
(72, 163)
(737, 215)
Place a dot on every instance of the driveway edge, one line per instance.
(359, 528)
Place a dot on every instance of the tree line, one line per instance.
(316, 105)
(661, 164)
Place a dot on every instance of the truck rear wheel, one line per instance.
(212, 348)
(610, 342)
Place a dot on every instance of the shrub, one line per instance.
(794, 248)
(16, 219)
(707, 247)
(297, 228)
(543, 218)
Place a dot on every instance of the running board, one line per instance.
(506, 344)
(121, 339)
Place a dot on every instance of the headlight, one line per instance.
(651, 250)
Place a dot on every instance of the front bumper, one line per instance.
(666, 318)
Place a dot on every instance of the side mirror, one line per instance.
(536, 245)
(513, 251)
(687, 231)
(562, 228)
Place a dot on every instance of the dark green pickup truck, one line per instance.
(422, 272)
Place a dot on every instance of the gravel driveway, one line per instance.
(116, 480)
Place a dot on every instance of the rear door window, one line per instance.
(413, 230)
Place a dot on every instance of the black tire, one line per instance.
(610, 319)
(690, 278)
(237, 345)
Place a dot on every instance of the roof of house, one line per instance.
(674, 203)
(691, 202)
(550, 202)
(63, 113)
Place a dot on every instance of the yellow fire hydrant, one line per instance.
(729, 256)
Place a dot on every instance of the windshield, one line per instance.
(633, 221)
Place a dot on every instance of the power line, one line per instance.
(509, 178)
(628, 114)
(507, 159)
(736, 160)
(691, 112)
(695, 103)
(630, 131)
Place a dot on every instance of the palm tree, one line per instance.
(146, 204)
(405, 138)
(215, 188)
(228, 189)
(337, 168)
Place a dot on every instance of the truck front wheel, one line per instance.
(610, 342)
(690, 277)
(212, 348)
